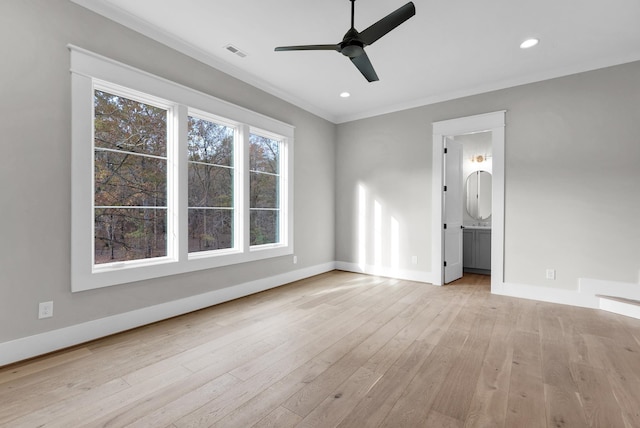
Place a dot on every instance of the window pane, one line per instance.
(264, 154)
(264, 227)
(210, 186)
(264, 190)
(128, 125)
(210, 142)
(129, 180)
(129, 234)
(210, 229)
(134, 176)
(264, 184)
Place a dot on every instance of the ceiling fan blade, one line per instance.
(309, 48)
(366, 68)
(388, 23)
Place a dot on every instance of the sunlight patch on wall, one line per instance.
(377, 234)
(395, 244)
(362, 227)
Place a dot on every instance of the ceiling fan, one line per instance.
(354, 41)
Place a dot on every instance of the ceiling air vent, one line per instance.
(235, 50)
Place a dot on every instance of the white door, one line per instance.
(452, 210)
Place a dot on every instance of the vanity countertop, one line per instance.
(477, 226)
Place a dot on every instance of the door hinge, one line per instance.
(445, 150)
(445, 264)
(445, 225)
(445, 188)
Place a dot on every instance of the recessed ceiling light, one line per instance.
(529, 43)
(345, 94)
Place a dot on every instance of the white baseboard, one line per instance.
(546, 294)
(408, 275)
(584, 296)
(39, 344)
(626, 308)
(626, 290)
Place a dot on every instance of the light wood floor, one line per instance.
(347, 350)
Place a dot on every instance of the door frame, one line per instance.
(494, 122)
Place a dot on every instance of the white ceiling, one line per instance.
(451, 48)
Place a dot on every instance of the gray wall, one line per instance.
(572, 175)
(35, 201)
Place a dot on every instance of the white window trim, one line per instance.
(172, 170)
(283, 176)
(86, 67)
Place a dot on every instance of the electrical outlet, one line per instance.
(551, 274)
(295, 259)
(45, 310)
(414, 260)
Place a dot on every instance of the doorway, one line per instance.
(449, 129)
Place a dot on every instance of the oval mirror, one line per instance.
(478, 190)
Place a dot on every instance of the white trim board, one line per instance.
(387, 272)
(43, 343)
(587, 295)
(629, 308)
(561, 296)
(627, 290)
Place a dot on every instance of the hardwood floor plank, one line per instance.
(563, 407)
(295, 384)
(551, 325)
(555, 364)
(412, 407)
(160, 401)
(621, 363)
(279, 418)
(399, 371)
(105, 405)
(373, 408)
(275, 369)
(374, 336)
(525, 406)
(179, 405)
(437, 419)
(48, 363)
(597, 398)
(488, 406)
(335, 407)
(528, 317)
(339, 317)
(34, 415)
(452, 400)
(259, 406)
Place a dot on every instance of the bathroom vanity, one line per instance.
(476, 249)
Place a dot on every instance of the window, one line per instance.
(211, 185)
(264, 169)
(167, 180)
(130, 179)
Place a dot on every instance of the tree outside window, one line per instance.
(211, 185)
(264, 169)
(130, 179)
